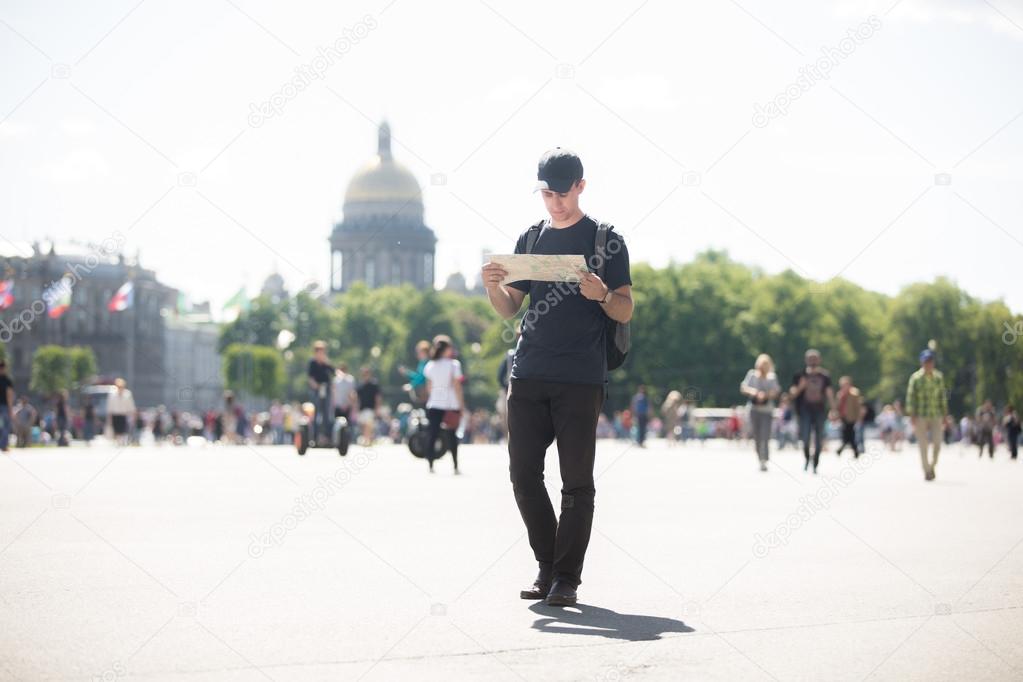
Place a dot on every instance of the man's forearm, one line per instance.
(619, 308)
(502, 301)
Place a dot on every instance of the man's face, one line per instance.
(321, 355)
(928, 364)
(562, 205)
(813, 361)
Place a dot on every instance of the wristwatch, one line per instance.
(607, 298)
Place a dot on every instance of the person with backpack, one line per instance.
(812, 393)
(570, 335)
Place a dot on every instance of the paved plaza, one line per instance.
(251, 563)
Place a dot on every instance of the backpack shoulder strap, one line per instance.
(600, 247)
(533, 233)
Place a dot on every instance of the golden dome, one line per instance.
(383, 180)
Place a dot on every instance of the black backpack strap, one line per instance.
(533, 234)
(600, 247)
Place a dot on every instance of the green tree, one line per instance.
(255, 370)
(51, 369)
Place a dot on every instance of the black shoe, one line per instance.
(561, 594)
(541, 586)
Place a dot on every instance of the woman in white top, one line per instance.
(120, 408)
(762, 388)
(444, 394)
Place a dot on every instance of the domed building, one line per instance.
(382, 239)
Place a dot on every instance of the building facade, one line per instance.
(130, 344)
(382, 239)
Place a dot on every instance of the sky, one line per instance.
(877, 141)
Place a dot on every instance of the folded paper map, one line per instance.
(561, 268)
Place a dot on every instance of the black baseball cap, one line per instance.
(558, 170)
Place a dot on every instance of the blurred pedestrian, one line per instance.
(762, 388)
(987, 419)
(812, 393)
(445, 401)
(6, 406)
(641, 411)
(850, 411)
(121, 412)
(927, 405)
(1011, 424)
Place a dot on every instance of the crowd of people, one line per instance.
(808, 417)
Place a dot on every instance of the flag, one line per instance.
(6, 294)
(58, 297)
(123, 299)
(182, 306)
(236, 305)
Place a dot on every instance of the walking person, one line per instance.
(641, 410)
(850, 411)
(927, 405)
(6, 407)
(812, 393)
(762, 388)
(368, 394)
(445, 402)
(120, 412)
(344, 392)
(321, 374)
(1011, 424)
(559, 373)
(987, 418)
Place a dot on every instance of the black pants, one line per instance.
(811, 424)
(987, 438)
(1012, 437)
(849, 438)
(641, 422)
(540, 412)
(434, 418)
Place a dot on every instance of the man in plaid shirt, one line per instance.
(927, 405)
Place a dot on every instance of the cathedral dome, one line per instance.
(383, 187)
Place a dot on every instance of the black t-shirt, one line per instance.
(320, 372)
(367, 394)
(815, 395)
(5, 383)
(563, 331)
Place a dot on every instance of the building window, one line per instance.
(396, 269)
(337, 262)
(371, 272)
(428, 270)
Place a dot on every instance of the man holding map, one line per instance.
(559, 370)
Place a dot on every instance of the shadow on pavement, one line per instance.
(593, 620)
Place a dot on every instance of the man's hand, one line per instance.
(592, 287)
(492, 275)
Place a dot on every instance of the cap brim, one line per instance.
(560, 186)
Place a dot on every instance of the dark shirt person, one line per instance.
(6, 406)
(559, 375)
(812, 393)
(321, 374)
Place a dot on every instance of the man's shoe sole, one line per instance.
(533, 594)
(561, 600)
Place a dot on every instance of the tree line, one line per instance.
(697, 328)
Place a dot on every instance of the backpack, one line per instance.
(617, 336)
